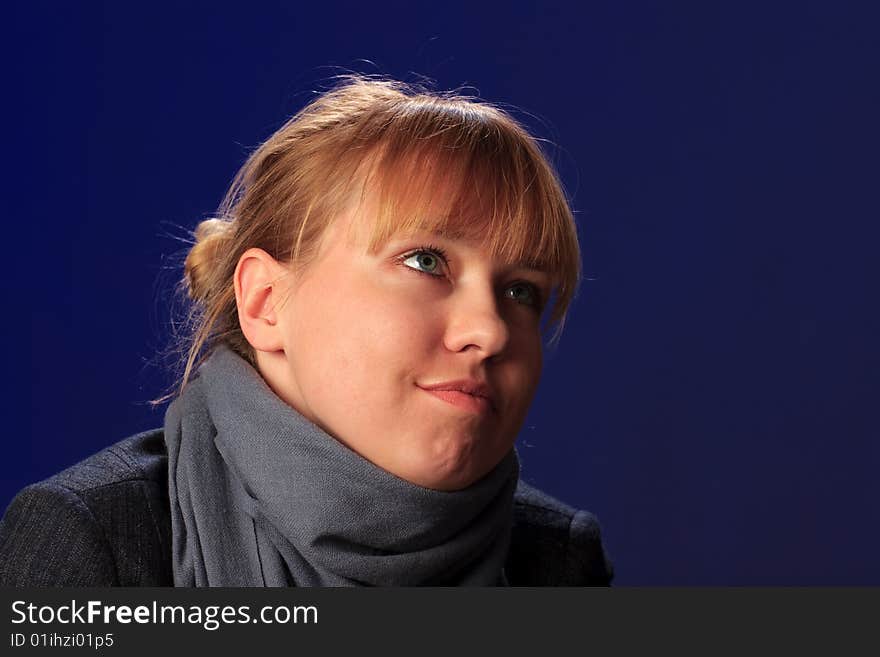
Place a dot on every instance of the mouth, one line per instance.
(466, 396)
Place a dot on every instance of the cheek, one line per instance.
(523, 371)
(361, 347)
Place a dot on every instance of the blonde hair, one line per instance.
(436, 162)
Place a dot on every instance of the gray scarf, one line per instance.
(260, 496)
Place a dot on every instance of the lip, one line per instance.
(467, 394)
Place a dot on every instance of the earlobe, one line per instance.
(258, 294)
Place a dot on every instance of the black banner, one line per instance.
(453, 621)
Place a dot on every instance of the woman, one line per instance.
(366, 342)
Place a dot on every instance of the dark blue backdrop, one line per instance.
(714, 398)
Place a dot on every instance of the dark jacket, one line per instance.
(106, 522)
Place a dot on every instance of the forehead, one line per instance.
(372, 229)
(453, 212)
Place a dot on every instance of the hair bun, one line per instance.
(205, 255)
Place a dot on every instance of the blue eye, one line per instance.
(523, 293)
(427, 261)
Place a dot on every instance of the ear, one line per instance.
(260, 287)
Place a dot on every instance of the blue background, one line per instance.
(714, 398)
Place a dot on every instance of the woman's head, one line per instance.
(385, 242)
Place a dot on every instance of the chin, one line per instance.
(453, 464)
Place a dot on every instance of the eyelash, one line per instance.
(440, 253)
(435, 251)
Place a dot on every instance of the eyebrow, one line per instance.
(453, 234)
(449, 234)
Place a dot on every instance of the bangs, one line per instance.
(475, 174)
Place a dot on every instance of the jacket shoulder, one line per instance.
(554, 544)
(104, 521)
(141, 457)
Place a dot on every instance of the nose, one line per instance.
(475, 323)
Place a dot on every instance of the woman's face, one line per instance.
(422, 357)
